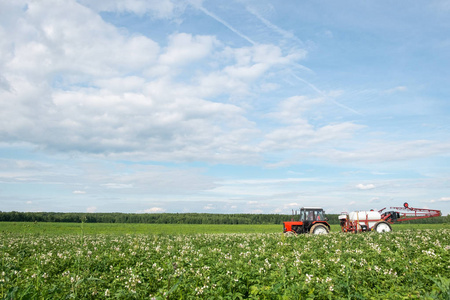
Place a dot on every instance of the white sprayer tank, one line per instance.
(361, 216)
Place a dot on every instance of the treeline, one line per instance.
(167, 218)
(160, 218)
(435, 220)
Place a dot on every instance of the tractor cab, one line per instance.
(310, 214)
(310, 220)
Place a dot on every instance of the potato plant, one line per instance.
(396, 265)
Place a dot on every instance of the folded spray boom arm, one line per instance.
(406, 213)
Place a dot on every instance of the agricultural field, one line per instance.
(406, 263)
(120, 229)
(49, 228)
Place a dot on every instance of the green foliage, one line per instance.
(171, 218)
(396, 265)
(161, 218)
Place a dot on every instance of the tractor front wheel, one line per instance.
(382, 227)
(319, 229)
(290, 233)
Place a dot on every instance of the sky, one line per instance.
(224, 106)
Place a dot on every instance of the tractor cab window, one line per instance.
(310, 215)
(320, 216)
(302, 216)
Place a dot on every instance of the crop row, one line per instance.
(413, 264)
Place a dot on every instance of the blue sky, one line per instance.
(224, 106)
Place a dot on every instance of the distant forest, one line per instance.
(169, 218)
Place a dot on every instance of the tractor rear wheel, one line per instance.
(319, 229)
(382, 227)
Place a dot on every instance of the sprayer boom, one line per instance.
(406, 213)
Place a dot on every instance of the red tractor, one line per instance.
(311, 220)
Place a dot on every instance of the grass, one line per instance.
(119, 229)
(157, 229)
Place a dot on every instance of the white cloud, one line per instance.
(303, 136)
(117, 185)
(91, 209)
(158, 9)
(99, 121)
(245, 66)
(120, 114)
(121, 85)
(48, 41)
(208, 207)
(369, 186)
(296, 132)
(154, 210)
(396, 89)
(375, 151)
(292, 109)
(184, 48)
(125, 111)
(267, 181)
(83, 176)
